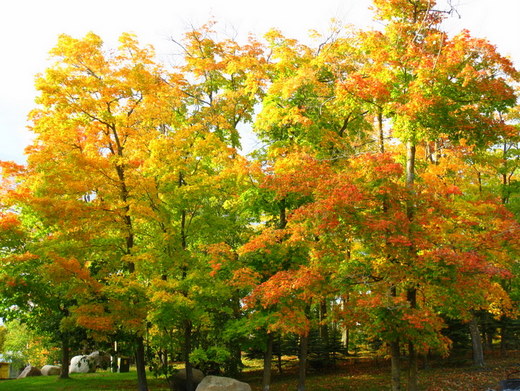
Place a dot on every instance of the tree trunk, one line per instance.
(411, 296)
(268, 357)
(395, 359)
(279, 354)
(476, 340)
(302, 365)
(140, 365)
(65, 356)
(324, 329)
(381, 130)
(395, 356)
(347, 341)
(187, 351)
(503, 336)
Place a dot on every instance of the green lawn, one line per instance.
(100, 381)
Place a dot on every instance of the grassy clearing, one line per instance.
(100, 381)
(349, 376)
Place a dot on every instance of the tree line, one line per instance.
(383, 198)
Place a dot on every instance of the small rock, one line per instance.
(29, 371)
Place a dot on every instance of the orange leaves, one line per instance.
(245, 277)
(294, 171)
(94, 317)
(291, 290)
(262, 242)
(70, 273)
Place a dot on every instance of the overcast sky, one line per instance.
(29, 29)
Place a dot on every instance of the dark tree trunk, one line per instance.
(395, 356)
(476, 340)
(302, 365)
(65, 356)
(268, 357)
(411, 296)
(140, 364)
(279, 355)
(503, 336)
(324, 329)
(235, 364)
(381, 130)
(395, 359)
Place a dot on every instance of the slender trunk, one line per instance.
(324, 329)
(476, 340)
(235, 362)
(410, 164)
(124, 195)
(65, 356)
(140, 365)
(187, 351)
(302, 365)
(268, 357)
(411, 296)
(503, 336)
(395, 356)
(505, 179)
(279, 354)
(411, 293)
(381, 130)
(347, 341)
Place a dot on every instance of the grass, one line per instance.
(359, 375)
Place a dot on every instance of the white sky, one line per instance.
(29, 29)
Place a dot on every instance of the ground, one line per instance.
(356, 374)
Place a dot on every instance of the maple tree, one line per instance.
(198, 177)
(97, 112)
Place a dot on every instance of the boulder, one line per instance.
(82, 364)
(51, 370)
(29, 371)
(218, 383)
(101, 360)
(179, 378)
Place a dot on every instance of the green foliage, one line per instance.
(212, 360)
(23, 346)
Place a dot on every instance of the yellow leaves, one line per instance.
(500, 303)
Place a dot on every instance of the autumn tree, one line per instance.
(97, 113)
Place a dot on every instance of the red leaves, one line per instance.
(286, 285)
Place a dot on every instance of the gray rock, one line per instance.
(51, 370)
(101, 360)
(179, 378)
(218, 383)
(29, 371)
(198, 375)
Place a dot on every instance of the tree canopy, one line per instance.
(384, 197)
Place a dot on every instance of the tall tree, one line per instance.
(97, 113)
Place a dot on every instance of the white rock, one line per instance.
(81, 364)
